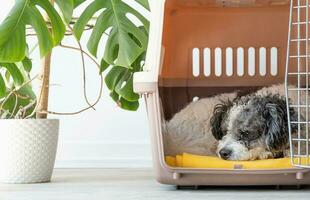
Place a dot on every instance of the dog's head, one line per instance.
(251, 127)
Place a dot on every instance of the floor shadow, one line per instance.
(245, 188)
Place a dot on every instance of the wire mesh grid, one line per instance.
(297, 82)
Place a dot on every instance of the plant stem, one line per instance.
(100, 91)
(44, 77)
(84, 72)
(12, 92)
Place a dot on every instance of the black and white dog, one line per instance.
(250, 127)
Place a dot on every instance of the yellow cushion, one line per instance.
(195, 161)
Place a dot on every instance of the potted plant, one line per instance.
(28, 139)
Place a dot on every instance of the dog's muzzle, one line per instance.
(225, 153)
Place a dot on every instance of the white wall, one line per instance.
(107, 137)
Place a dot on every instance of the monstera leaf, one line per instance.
(26, 13)
(125, 38)
(119, 80)
(14, 62)
(12, 71)
(23, 97)
(12, 77)
(67, 7)
(144, 3)
(125, 48)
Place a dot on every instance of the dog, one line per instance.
(250, 127)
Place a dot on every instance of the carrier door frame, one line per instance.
(298, 35)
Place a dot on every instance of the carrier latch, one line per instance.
(299, 175)
(176, 176)
(144, 82)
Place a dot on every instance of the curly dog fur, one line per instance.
(250, 127)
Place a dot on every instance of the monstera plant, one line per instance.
(49, 21)
(124, 50)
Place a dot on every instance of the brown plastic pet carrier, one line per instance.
(200, 48)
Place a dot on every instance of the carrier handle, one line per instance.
(144, 83)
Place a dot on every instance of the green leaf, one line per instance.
(27, 64)
(12, 34)
(114, 96)
(37, 22)
(123, 103)
(127, 105)
(25, 96)
(58, 27)
(12, 30)
(13, 50)
(125, 48)
(66, 8)
(2, 87)
(76, 3)
(144, 3)
(103, 66)
(12, 22)
(7, 76)
(80, 24)
(120, 82)
(113, 77)
(125, 88)
(126, 40)
(15, 73)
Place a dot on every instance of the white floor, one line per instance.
(132, 184)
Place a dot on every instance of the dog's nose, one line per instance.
(225, 153)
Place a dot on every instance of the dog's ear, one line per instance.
(219, 113)
(276, 124)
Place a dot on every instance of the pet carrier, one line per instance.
(200, 48)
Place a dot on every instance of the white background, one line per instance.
(107, 137)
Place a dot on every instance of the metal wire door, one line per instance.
(297, 82)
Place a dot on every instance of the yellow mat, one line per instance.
(195, 161)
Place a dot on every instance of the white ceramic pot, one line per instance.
(27, 150)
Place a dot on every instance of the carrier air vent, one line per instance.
(251, 61)
(218, 62)
(207, 61)
(262, 61)
(196, 62)
(235, 62)
(240, 61)
(229, 61)
(274, 61)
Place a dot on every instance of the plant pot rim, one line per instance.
(29, 119)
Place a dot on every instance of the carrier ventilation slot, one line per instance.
(262, 61)
(238, 61)
(251, 61)
(196, 62)
(218, 62)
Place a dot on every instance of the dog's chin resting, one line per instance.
(250, 127)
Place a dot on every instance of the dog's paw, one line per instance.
(265, 155)
(260, 154)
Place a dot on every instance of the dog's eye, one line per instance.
(247, 110)
(244, 133)
(247, 136)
